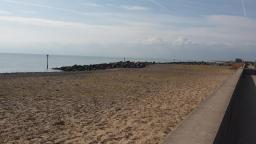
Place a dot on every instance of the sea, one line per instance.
(19, 63)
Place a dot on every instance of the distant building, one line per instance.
(238, 60)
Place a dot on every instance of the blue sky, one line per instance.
(173, 29)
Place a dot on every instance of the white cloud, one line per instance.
(40, 21)
(134, 8)
(20, 30)
(218, 34)
(3, 12)
(154, 40)
(92, 4)
(181, 41)
(125, 7)
(232, 21)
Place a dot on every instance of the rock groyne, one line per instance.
(104, 66)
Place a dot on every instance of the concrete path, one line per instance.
(239, 125)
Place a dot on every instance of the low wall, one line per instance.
(238, 126)
(202, 125)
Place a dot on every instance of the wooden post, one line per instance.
(47, 57)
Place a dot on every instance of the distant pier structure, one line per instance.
(47, 61)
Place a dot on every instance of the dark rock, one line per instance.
(59, 123)
(104, 66)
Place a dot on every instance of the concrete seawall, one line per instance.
(239, 123)
(202, 125)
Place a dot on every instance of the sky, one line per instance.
(170, 29)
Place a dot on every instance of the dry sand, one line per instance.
(135, 106)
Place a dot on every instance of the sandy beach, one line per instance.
(120, 106)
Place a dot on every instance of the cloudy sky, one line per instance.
(172, 29)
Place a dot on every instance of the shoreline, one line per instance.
(58, 71)
(66, 73)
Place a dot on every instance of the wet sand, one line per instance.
(113, 106)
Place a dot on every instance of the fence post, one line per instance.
(47, 57)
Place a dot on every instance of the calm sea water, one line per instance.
(11, 63)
